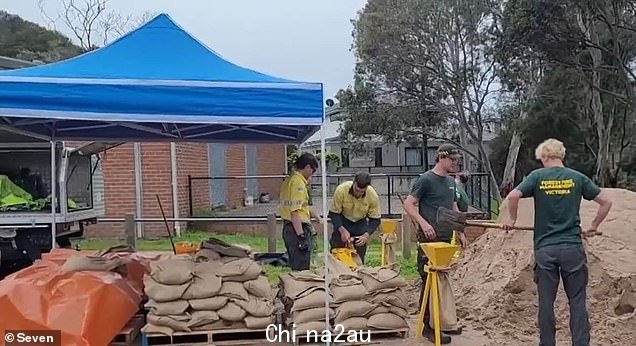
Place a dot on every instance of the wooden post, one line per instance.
(271, 232)
(131, 236)
(408, 231)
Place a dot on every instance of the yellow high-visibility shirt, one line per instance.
(294, 196)
(352, 208)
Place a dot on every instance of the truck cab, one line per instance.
(26, 216)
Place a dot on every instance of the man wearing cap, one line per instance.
(432, 190)
(296, 212)
(355, 214)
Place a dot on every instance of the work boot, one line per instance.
(429, 333)
(457, 331)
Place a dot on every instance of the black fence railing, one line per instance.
(256, 196)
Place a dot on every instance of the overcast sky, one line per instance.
(306, 40)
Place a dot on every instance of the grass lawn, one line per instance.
(257, 243)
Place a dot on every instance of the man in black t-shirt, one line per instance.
(558, 247)
(432, 190)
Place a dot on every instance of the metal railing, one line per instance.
(387, 185)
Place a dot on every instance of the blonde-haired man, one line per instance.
(558, 248)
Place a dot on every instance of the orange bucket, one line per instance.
(186, 247)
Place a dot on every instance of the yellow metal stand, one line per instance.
(440, 255)
(387, 228)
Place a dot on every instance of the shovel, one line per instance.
(458, 221)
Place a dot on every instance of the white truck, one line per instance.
(26, 220)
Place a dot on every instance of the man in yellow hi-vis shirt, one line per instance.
(355, 214)
(296, 213)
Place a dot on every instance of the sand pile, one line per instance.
(495, 291)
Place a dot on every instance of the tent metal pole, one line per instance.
(53, 195)
(325, 235)
(175, 193)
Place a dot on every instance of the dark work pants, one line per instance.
(298, 259)
(355, 229)
(568, 262)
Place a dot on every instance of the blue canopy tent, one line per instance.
(157, 83)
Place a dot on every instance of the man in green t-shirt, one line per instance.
(432, 190)
(558, 247)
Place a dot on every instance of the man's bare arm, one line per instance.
(410, 207)
(512, 201)
(605, 204)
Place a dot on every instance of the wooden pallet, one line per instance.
(216, 337)
(377, 336)
(130, 332)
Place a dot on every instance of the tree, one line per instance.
(427, 63)
(90, 21)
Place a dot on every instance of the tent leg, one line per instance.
(325, 235)
(53, 195)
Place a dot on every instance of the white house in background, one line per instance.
(382, 157)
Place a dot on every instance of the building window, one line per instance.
(344, 157)
(413, 157)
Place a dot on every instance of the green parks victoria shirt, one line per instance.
(557, 193)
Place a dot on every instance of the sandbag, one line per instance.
(163, 293)
(388, 241)
(309, 315)
(375, 279)
(224, 248)
(257, 307)
(234, 290)
(380, 309)
(297, 284)
(177, 326)
(91, 263)
(314, 327)
(204, 285)
(153, 329)
(259, 288)
(207, 255)
(399, 311)
(200, 318)
(387, 321)
(355, 323)
(353, 309)
(252, 322)
(172, 271)
(391, 296)
(336, 267)
(249, 270)
(448, 312)
(314, 299)
(208, 304)
(176, 307)
(348, 293)
(232, 312)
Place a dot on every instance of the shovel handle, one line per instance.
(497, 225)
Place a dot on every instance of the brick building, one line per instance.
(123, 187)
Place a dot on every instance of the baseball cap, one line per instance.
(446, 150)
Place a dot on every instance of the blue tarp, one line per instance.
(157, 83)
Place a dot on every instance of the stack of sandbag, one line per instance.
(349, 296)
(385, 289)
(303, 293)
(220, 287)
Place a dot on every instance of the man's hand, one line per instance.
(363, 239)
(345, 236)
(508, 225)
(428, 231)
(590, 232)
(463, 241)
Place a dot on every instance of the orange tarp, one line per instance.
(89, 307)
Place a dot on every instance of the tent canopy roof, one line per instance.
(157, 83)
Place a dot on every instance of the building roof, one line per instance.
(7, 63)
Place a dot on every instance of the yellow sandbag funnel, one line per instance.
(388, 226)
(439, 253)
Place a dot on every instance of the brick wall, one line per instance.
(271, 161)
(192, 159)
(118, 169)
(235, 166)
